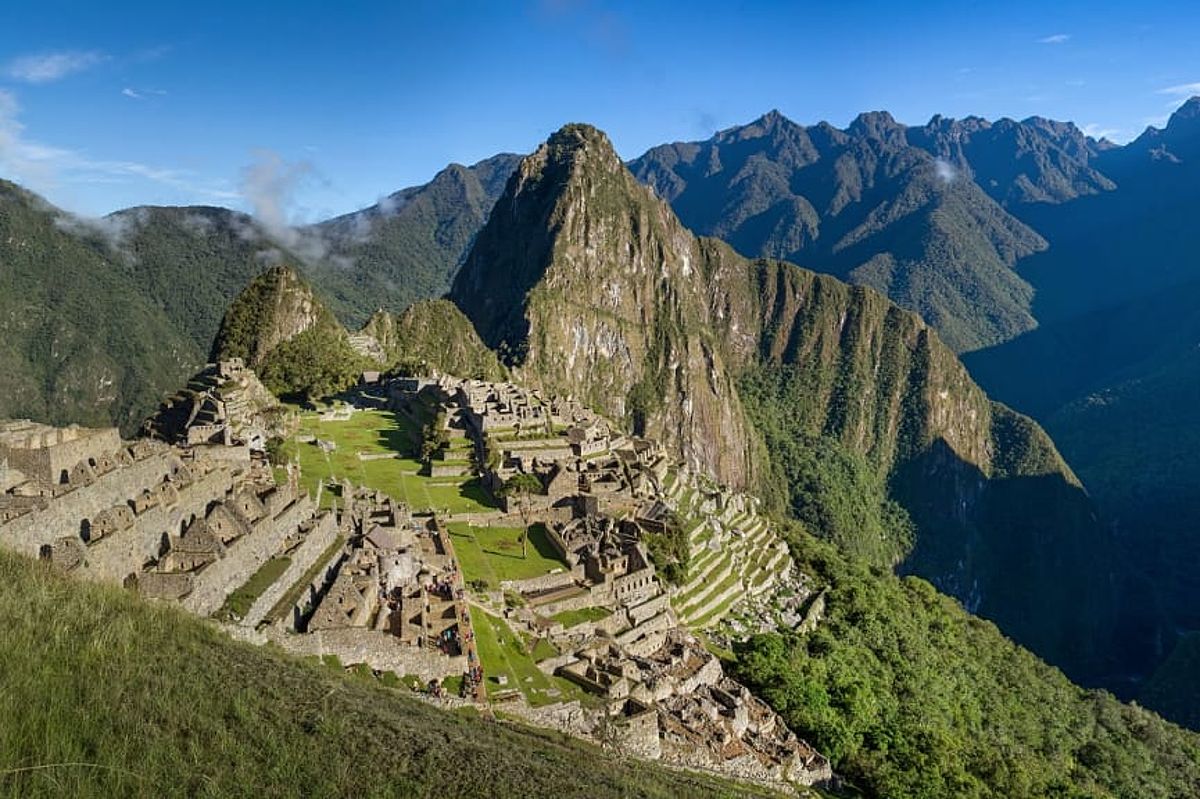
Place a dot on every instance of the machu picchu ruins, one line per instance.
(516, 528)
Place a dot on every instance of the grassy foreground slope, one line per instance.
(104, 695)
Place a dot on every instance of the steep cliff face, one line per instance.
(588, 284)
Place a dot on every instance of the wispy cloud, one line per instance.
(1058, 38)
(1182, 90)
(1098, 132)
(142, 94)
(49, 67)
(269, 185)
(944, 170)
(43, 166)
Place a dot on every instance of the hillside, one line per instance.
(280, 328)
(591, 285)
(910, 696)
(432, 334)
(106, 695)
(408, 246)
(80, 341)
(1112, 372)
(877, 204)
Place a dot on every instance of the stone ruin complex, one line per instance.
(222, 404)
(193, 515)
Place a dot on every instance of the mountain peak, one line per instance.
(875, 125)
(1186, 113)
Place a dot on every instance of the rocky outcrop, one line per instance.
(590, 286)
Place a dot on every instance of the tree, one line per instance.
(520, 487)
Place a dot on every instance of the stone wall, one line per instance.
(45, 452)
(66, 513)
(320, 538)
(307, 601)
(119, 554)
(381, 651)
(546, 582)
(244, 557)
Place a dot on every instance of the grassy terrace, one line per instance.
(493, 554)
(241, 600)
(106, 695)
(569, 618)
(504, 652)
(375, 432)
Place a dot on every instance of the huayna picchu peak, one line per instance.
(368, 427)
(588, 284)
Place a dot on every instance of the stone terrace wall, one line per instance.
(63, 448)
(115, 556)
(303, 557)
(244, 557)
(379, 650)
(66, 513)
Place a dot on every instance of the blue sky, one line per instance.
(307, 109)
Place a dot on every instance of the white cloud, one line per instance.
(44, 167)
(1183, 90)
(1058, 38)
(944, 170)
(49, 67)
(1097, 132)
(142, 94)
(269, 185)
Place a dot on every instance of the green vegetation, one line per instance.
(105, 695)
(941, 248)
(835, 492)
(670, 550)
(911, 696)
(238, 603)
(82, 341)
(433, 335)
(494, 554)
(374, 433)
(261, 327)
(316, 363)
(503, 652)
(569, 618)
(407, 248)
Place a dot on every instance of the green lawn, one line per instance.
(493, 554)
(240, 601)
(502, 651)
(380, 432)
(569, 618)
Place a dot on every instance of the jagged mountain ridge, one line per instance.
(888, 206)
(588, 284)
